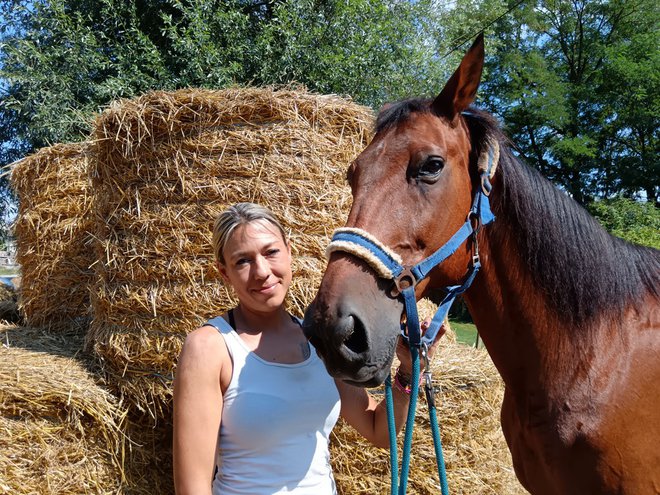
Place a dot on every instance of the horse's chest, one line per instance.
(553, 451)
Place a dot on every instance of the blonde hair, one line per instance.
(235, 216)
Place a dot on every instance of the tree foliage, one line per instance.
(631, 220)
(577, 84)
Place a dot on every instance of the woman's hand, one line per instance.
(403, 351)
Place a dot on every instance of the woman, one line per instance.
(252, 400)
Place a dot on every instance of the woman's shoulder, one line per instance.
(205, 342)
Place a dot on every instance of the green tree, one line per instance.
(576, 84)
(62, 64)
(373, 51)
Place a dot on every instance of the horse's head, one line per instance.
(412, 189)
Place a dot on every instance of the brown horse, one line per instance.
(569, 314)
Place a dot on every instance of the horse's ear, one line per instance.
(460, 90)
(385, 107)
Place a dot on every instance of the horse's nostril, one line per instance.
(356, 340)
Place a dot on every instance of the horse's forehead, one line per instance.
(419, 131)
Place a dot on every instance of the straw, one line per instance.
(52, 232)
(167, 164)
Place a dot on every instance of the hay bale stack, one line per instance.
(59, 429)
(168, 163)
(477, 459)
(52, 235)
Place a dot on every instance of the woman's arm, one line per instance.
(368, 417)
(198, 409)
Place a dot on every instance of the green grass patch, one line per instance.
(466, 333)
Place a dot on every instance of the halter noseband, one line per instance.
(388, 264)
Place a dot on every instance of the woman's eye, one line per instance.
(242, 261)
(272, 252)
(431, 168)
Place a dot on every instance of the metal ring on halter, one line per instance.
(404, 280)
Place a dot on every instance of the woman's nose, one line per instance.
(261, 267)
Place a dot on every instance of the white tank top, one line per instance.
(276, 423)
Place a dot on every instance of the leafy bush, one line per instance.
(631, 220)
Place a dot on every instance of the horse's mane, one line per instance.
(583, 270)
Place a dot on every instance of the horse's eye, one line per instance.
(431, 168)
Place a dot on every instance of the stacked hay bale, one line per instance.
(469, 395)
(167, 164)
(59, 429)
(52, 231)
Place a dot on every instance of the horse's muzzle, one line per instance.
(349, 350)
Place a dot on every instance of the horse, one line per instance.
(568, 313)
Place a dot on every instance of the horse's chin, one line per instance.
(375, 381)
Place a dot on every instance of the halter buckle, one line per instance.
(405, 279)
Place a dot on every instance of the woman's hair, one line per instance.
(235, 216)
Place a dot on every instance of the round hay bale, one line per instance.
(167, 164)
(148, 456)
(53, 232)
(59, 429)
(469, 393)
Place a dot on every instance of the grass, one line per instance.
(466, 333)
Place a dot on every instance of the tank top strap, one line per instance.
(220, 324)
(238, 351)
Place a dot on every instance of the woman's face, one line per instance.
(257, 265)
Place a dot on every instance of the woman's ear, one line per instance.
(223, 272)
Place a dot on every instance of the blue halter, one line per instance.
(388, 265)
(406, 277)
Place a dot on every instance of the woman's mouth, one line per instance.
(266, 289)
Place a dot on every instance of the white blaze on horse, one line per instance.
(569, 314)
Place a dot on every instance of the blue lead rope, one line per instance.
(400, 488)
(435, 429)
(410, 420)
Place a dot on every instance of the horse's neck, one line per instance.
(530, 344)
